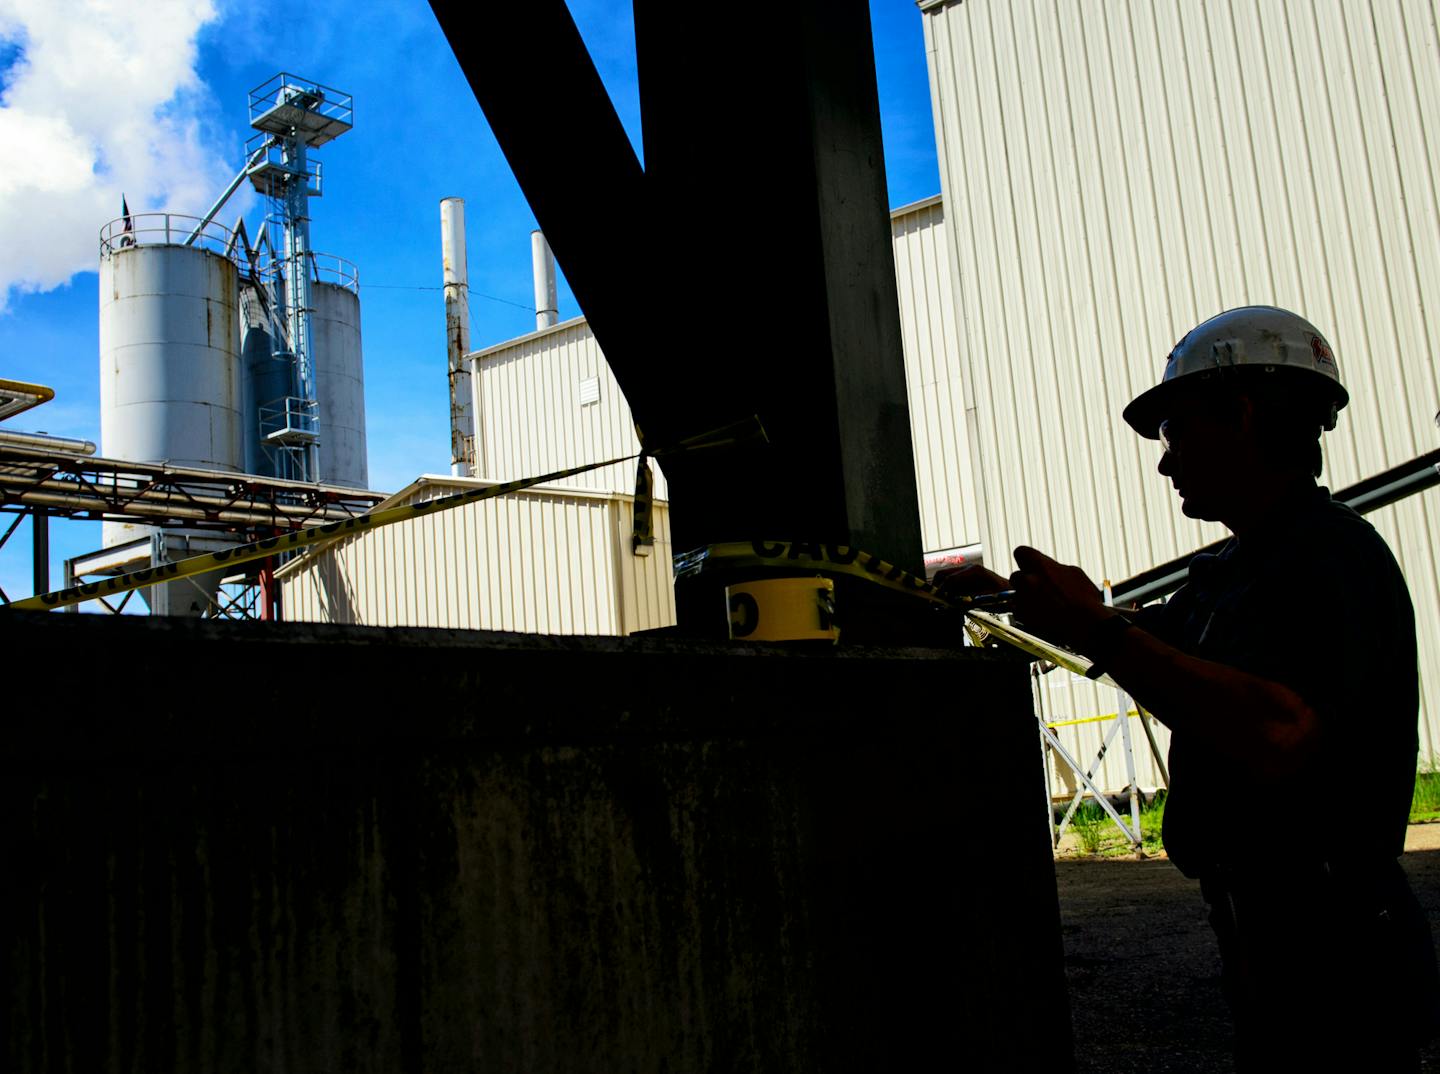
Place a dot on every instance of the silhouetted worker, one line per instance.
(1286, 671)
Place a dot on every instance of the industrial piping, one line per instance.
(44, 442)
(75, 496)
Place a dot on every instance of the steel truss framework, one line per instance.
(87, 487)
(60, 485)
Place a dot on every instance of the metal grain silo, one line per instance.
(170, 356)
(170, 374)
(340, 378)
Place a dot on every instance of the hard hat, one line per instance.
(1243, 343)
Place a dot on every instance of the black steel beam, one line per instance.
(553, 119)
(748, 270)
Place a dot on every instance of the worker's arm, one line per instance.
(970, 580)
(1265, 725)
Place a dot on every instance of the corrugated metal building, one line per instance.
(548, 402)
(938, 401)
(544, 561)
(556, 559)
(1114, 173)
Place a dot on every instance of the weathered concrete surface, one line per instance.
(299, 848)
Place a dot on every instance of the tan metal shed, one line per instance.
(546, 561)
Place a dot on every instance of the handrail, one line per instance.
(179, 229)
(324, 268)
(165, 229)
(285, 87)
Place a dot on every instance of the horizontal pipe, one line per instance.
(1363, 497)
(45, 442)
(157, 503)
(126, 468)
(1372, 499)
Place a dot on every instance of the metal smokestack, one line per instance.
(464, 445)
(547, 310)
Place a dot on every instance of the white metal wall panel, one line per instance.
(1115, 172)
(938, 402)
(647, 583)
(532, 421)
(549, 562)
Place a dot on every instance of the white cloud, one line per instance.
(103, 98)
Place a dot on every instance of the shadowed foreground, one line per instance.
(317, 848)
(1142, 967)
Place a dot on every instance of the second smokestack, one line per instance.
(463, 442)
(547, 310)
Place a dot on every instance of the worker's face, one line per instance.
(1206, 455)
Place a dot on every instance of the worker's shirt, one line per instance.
(1314, 601)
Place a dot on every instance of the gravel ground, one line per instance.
(1142, 968)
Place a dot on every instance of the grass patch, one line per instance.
(1099, 837)
(1425, 803)
(1090, 823)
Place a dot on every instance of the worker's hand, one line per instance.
(1055, 599)
(969, 580)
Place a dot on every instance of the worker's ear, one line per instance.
(1237, 412)
(1245, 413)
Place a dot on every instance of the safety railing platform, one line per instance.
(291, 106)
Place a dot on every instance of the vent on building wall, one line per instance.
(589, 391)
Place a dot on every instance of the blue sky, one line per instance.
(154, 104)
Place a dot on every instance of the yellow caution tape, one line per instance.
(842, 559)
(1088, 719)
(736, 432)
(767, 555)
(287, 542)
(807, 555)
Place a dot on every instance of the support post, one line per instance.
(40, 536)
(269, 593)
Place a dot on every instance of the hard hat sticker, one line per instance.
(1321, 350)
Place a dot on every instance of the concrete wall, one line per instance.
(383, 850)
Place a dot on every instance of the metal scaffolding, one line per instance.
(292, 116)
